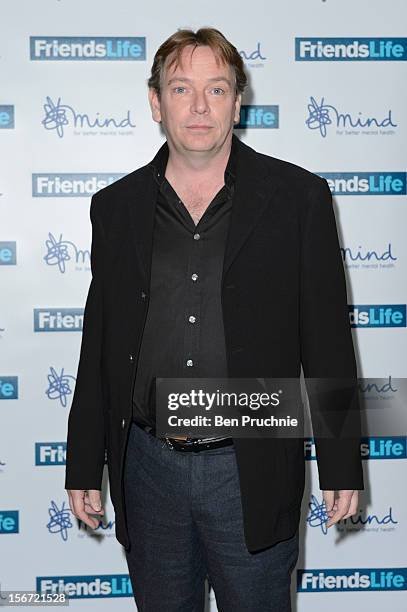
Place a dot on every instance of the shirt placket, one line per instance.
(193, 305)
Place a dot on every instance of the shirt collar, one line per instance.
(159, 163)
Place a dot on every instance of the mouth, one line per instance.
(199, 127)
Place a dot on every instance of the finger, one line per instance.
(329, 499)
(77, 500)
(88, 520)
(85, 517)
(89, 508)
(79, 509)
(334, 518)
(343, 504)
(93, 498)
(70, 501)
(354, 502)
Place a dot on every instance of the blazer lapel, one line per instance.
(142, 202)
(252, 193)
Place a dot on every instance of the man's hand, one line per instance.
(83, 503)
(345, 505)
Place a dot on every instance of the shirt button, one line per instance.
(197, 236)
(190, 362)
(192, 319)
(194, 277)
(123, 423)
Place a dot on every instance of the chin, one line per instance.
(190, 146)
(200, 141)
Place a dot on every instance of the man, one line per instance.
(213, 260)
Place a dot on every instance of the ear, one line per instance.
(154, 104)
(238, 102)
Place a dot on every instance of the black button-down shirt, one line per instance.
(183, 334)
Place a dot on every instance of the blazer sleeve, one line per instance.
(85, 451)
(327, 351)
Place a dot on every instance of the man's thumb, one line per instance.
(329, 499)
(94, 499)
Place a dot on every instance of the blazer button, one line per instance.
(123, 423)
(131, 357)
(143, 295)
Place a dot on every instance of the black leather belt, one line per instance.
(195, 445)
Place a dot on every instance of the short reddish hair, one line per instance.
(210, 37)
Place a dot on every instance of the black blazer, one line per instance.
(284, 304)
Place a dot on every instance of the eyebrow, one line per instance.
(212, 80)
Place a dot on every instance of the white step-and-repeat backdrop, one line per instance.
(328, 92)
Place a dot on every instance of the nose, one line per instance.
(199, 103)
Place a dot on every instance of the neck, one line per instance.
(198, 167)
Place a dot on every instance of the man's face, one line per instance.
(198, 105)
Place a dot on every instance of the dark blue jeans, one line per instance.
(185, 523)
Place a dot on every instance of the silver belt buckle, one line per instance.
(169, 443)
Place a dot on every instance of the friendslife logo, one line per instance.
(58, 319)
(8, 387)
(350, 49)
(352, 579)
(375, 447)
(9, 521)
(86, 587)
(6, 116)
(384, 447)
(8, 256)
(377, 315)
(69, 185)
(98, 48)
(258, 116)
(366, 183)
(50, 453)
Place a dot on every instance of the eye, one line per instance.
(177, 88)
(218, 90)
